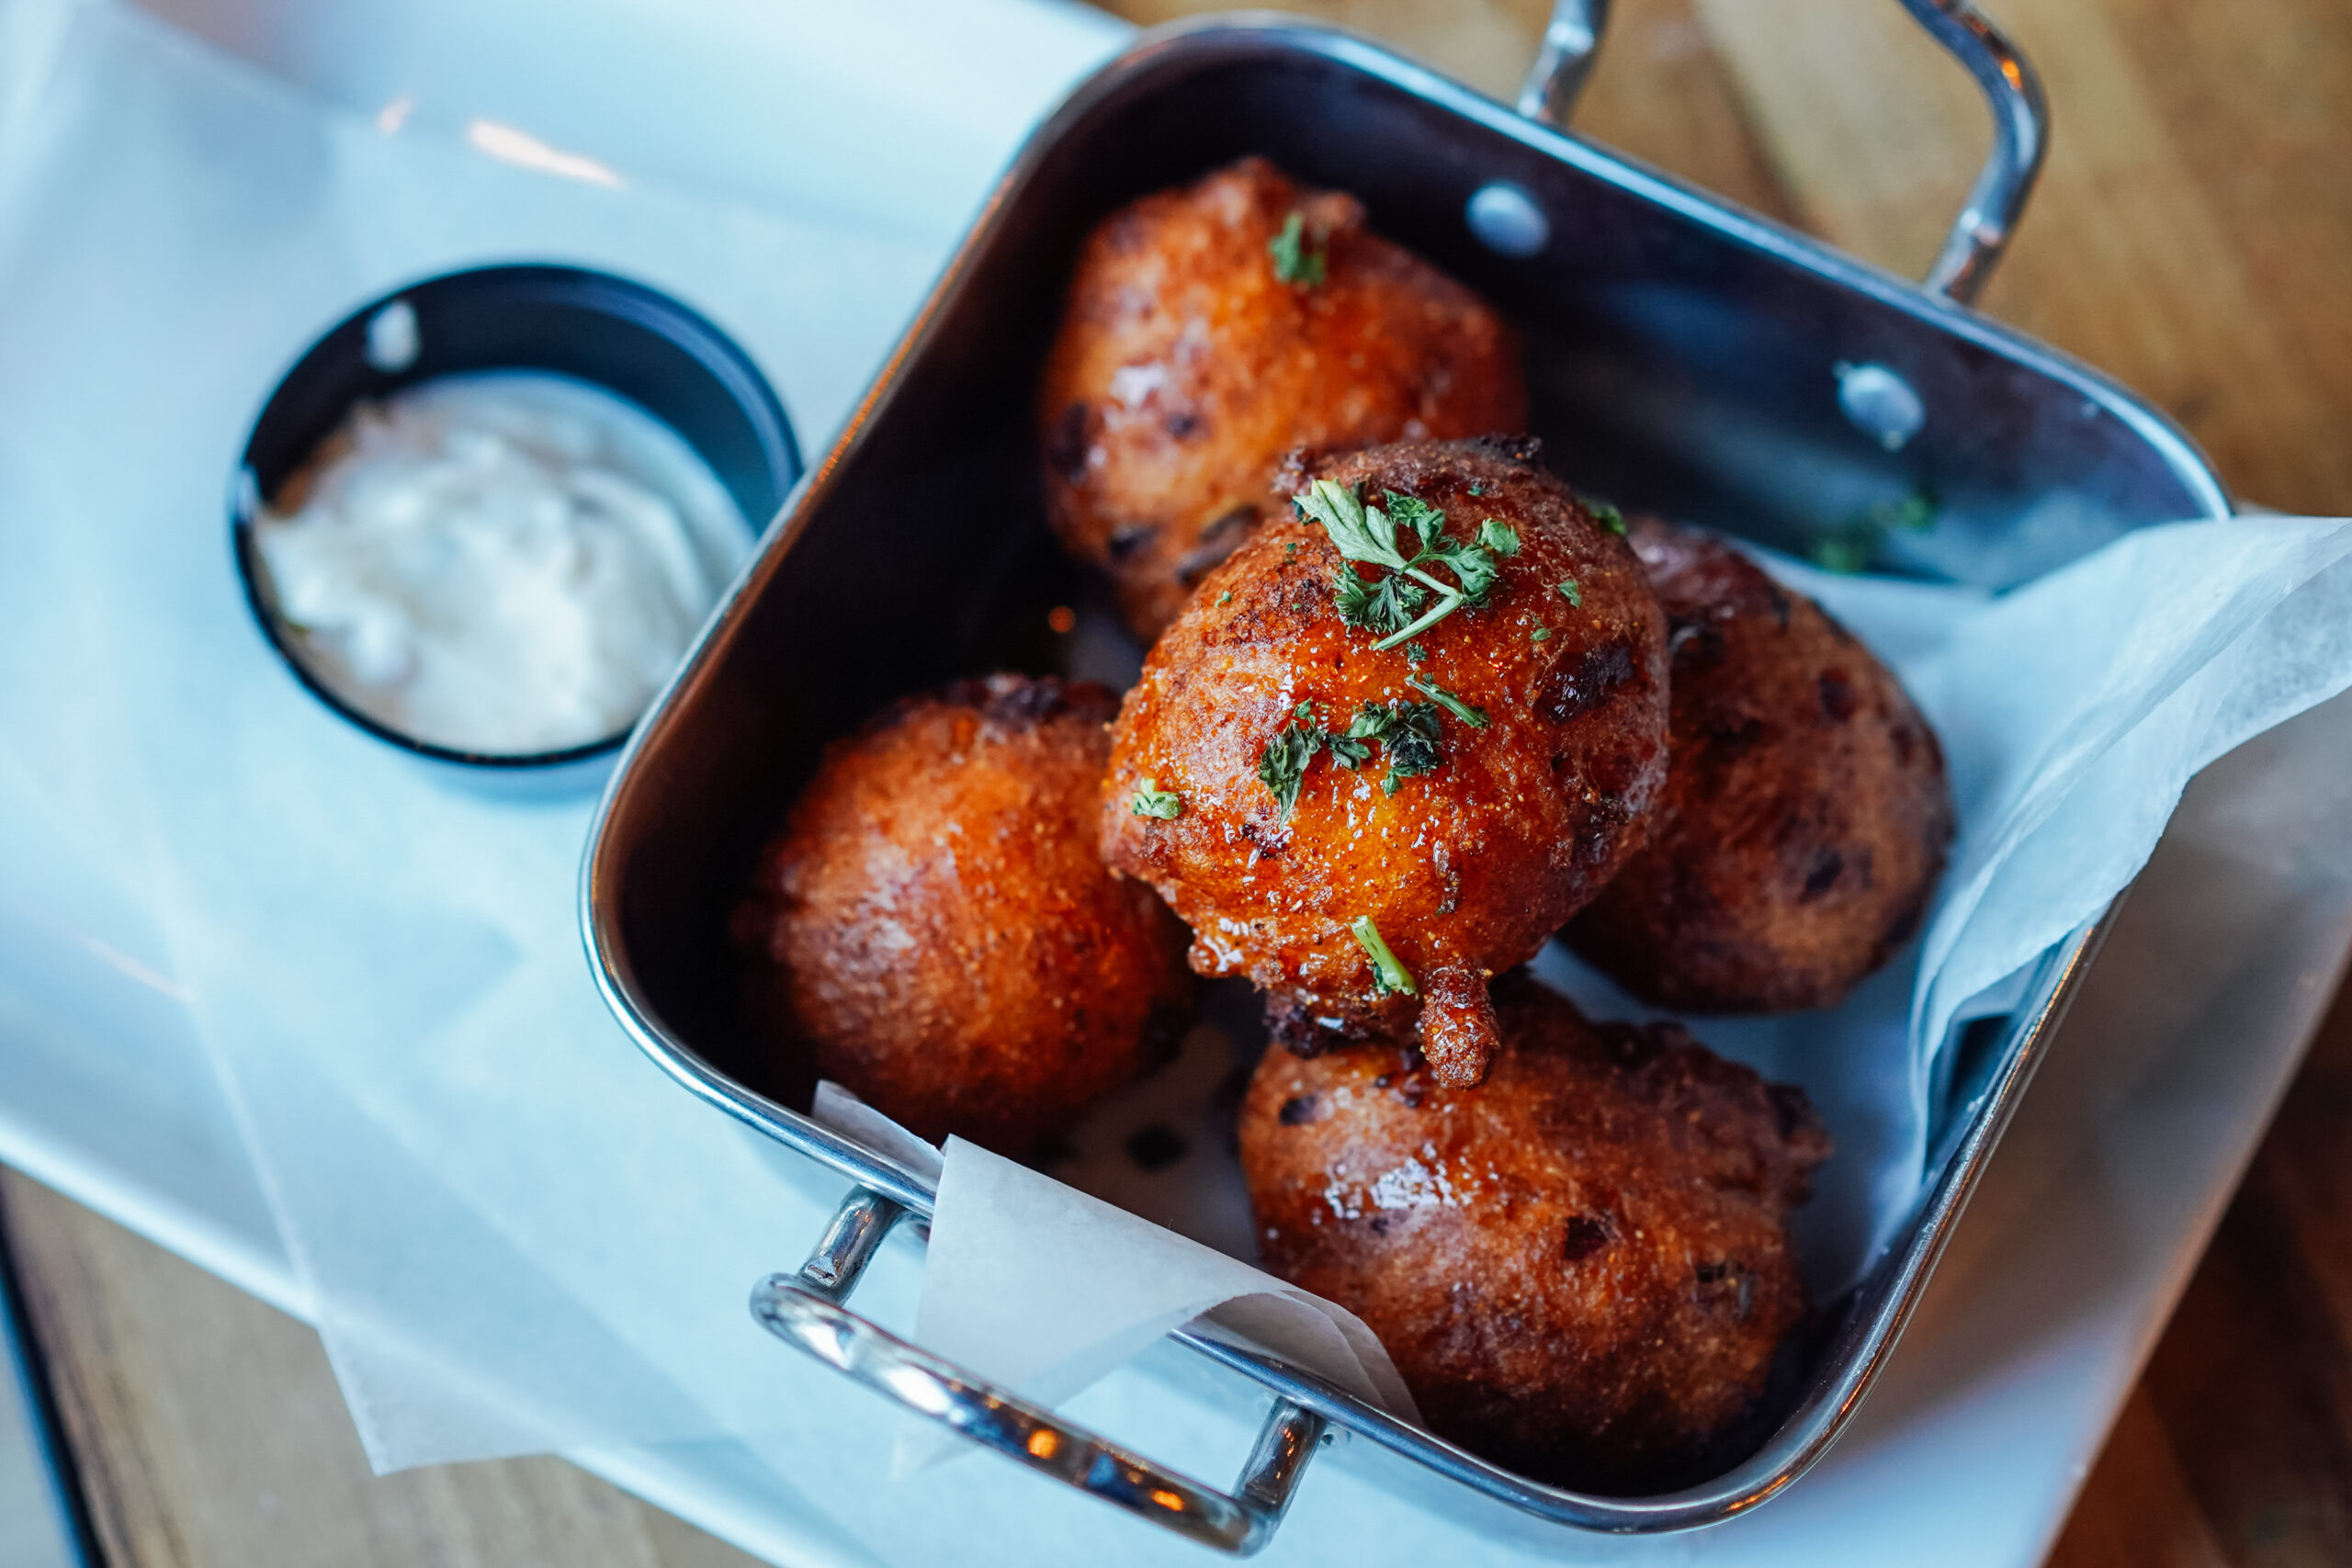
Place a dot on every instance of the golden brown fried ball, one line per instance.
(1583, 1268)
(935, 926)
(1541, 770)
(1806, 813)
(1185, 368)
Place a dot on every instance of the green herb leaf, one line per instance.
(1347, 752)
(1853, 545)
(1571, 592)
(1412, 512)
(1388, 973)
(1416, 652)
(1225, 597)
(1358, 532)
(1410, 731)
(1415, 741)
(1475, 565)
(1375, 537)
(1153, 801)
(1469, 714)
(1846, 550)
(1352, 596)
(1608, 516)
(1284, 767)
(1381, 606)
(1912, 513)
(1293, 263)
(1542, 634)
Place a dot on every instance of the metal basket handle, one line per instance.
(2012, 90)
(806, 1311)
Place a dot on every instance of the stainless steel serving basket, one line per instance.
(1684, 357)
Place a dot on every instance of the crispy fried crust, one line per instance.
(1583, 1268)
(935, 926)
(1465, 870)
(1806, 813)
(1186, 368)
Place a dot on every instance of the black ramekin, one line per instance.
(592, 326)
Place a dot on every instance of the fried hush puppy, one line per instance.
(1583, 1268)
(1368, 789)
(1210, 329)
(1806, 813)
(935, 926)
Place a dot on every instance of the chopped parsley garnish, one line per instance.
(1853, 545)
(1153, 801)
(1293, 263)
(1375, 537)
(1468, 713)
(1225, 597)
(1911, 514)
(1541, 633)
(1608, 516)
(1845, 550)
(1412, 512)
(1416, 652)
(1393, 600)
(1571, 592)
(1284, 767)
(1388, 973)
(1410, 733)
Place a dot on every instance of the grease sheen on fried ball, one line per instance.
(1806, 813)
(1582, 1268)
(1185, 368)
(1465, 870)
(935, 926)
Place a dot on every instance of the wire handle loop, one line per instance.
(2012, 91)
(808, 1312)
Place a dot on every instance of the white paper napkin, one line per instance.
(1034, 1314)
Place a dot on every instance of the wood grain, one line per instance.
(209, 1433)
(2125, 258)
(1660, 93)
(2254, 1377)
(1487, 43)
(1663, 93)
(2136, 1510)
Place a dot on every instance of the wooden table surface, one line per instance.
(2192, 234)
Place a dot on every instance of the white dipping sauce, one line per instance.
(504, 563)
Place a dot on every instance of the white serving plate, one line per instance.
(2096, 1207)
